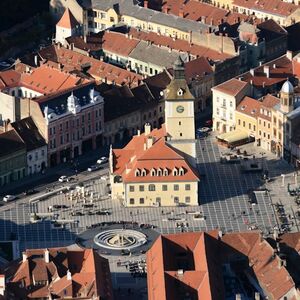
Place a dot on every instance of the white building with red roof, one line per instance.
(66, 27)
(157, 168)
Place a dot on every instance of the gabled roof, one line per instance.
(29, 133)
(67, 20)
(232, 87)
(249, 106)
(136, 156)
(10, 141)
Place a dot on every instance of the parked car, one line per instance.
(30, 192)
(4, 64)
(63, 178)
(8, 198)
(102, 160)
(94, 168)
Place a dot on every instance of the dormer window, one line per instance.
(180, 92)
(166, 172)
(175, 172)
(137, 172)
(143, 173)
(152, 172)
(181, 171)
(159, 172)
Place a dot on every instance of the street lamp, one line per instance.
(282, 176)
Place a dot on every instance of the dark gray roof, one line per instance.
(154, 55)
(130, 8)
(10, 142)
(29, 133)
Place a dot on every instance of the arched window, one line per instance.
(137, 172)
(181, 171)
(152, 173)
(166, 172)
(175, 172)
(159, 172)
(143, 173)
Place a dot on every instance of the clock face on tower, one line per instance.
(180, 109)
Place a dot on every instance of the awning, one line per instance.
(233, 136)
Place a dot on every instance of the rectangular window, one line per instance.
(254, 127)
(89, 116)
(176, 187)
(61, 139)
(250, 126)
(239, 121)
(131, 200)
(142, 200)
(244, 124)
(187, 187)
(176, 199)
(67, 124)
(131, 188)
(187, 199)
(151, 187)
(164, 187)
(141, 188)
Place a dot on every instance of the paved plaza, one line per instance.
(223, 197)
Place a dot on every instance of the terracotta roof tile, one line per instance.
(70, 60)
(67, 20)
(134, 156)
(275, 7)
(232, 87)
(249, 106)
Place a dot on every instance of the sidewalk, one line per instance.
(51, 174)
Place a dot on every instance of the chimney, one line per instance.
(147, 128)
(69, 275)
(289, 54)
(146, 3)
(2, 284)
(85, 38)
(47, 256)
(267, 71)
(252, 72)
(238, 297)
(274, 66)
(138, 132)
(180, 272)
(257, 296)
(36, 62)
(24, 256)
(220, 234)
(181, 14)
(165, 9)
(260, 63)
(150, 141)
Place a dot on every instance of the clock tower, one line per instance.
(179, 113)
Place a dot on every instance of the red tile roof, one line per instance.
(9, 78)
(272, 276)
(249, 106)
(232, 87)
(87, 277)
(118, 43)
(70, 60)
(276, 7)
(280, 69)
(203, 255)
(135, 156)
(199, 11)
(67, 20)
(46, 79)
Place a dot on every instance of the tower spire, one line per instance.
(179, 68)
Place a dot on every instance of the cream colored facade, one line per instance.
(224, 107)
(265, 15)
(227, 4)
(147, 186)
(166, 193)
(99, 20)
